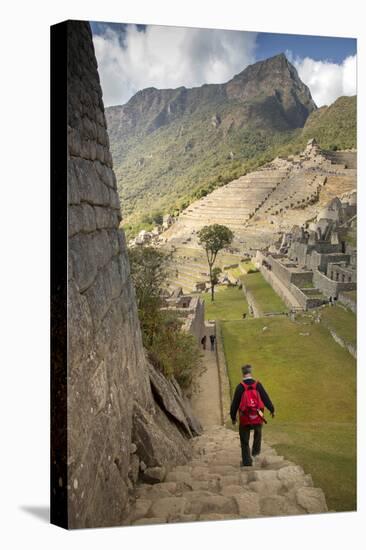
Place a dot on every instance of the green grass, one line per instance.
(342, 321)
(229, 304)
(236, 272)
(308, 284)
(303, 370)
(264, 295)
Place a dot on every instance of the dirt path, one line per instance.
(206, 398)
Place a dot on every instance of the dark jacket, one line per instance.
(239, 392)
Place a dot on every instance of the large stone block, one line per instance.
(248, 505)
(91, 187)
(215, 504)
(165, 394)
(80, 324)
(312, 500)
(83, 254)
(156, 440)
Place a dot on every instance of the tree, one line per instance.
(214, 238)
(215, 277)
(149, 271)
(170, 349)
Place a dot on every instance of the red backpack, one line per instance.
(250, 403)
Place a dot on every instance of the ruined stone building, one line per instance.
(317, 261)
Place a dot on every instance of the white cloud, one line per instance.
(327, 81)
(168, 57)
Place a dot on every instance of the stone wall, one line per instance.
(329, 287)
(348, 301)
(283, 291)
(196, 320)
(118, 412)
(320, 261)
(287, 274)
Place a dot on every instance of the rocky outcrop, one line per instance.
(115, 426)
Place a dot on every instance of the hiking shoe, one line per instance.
(245, 465)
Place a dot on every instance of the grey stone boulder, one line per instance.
(312, 499)
(262, 475)
(213, 504)
(270, 487)
(140, 509)
(157, 440)
(248, 505)
(293, 476)
(155, 474)
(167, 397)
(168, 506)
(278, 506)
(193, 422)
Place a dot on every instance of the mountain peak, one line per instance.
(277, 63)
(274, 77)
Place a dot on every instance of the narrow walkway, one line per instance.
(212, 486)
(206, 398)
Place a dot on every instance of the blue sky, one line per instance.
(319, 48)
(132, 57)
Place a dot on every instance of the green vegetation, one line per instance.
(303, 370)
(235, 272)
(169, 349)
(171, 147)
(334, 127)
(249, 267)
(264, 295)
(342, 321)
(230, 304)
(308, 284)
(214, 238)
(188, 158)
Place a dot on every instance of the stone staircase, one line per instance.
(234, 203)
(212, 486)
(297, 191)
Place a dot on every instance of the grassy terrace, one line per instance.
(303, 370)
(342, 321)
(236, 272)
(229, 304)
(264, 295)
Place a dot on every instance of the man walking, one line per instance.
(250, 398)
(212, 340)
(203, 342)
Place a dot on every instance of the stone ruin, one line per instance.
(190, 309)
(123, 416)
(264, 203)
(315, 262)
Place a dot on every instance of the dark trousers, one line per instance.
(244, 433)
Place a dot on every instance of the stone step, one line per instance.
(212, 486)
